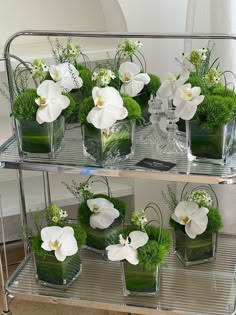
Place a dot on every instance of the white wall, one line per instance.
(83, 15)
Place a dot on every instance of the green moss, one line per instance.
(84, 212)
(155, 251)
(24, 106)
(154, 84)
(214, 220)
(222, 91)
(69, 110)
(88, 83)
(85, 106)
(132, 106)
(215, 111)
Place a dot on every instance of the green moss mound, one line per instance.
(215, 111)
(70, 109)
(88, 83)
(24, 106)
(84, 212)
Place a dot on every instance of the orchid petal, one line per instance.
(196, 90)
(129, 67)
(165, 90)
(69, 245)
(99, 203)
(143, 77)
(117, 252)
(51, 233)
(138, 239)
(197, 225)
(132, 256)
(186, 208)
(186, 110)
(46, 246)
(59, 256)
(104, 218)
(111, 110)
(55, 102)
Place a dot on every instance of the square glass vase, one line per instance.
(57, 274)
(138, 281)
(40, 140)
(212, 145)
(111, 145)
(199, 250)
(98, 239)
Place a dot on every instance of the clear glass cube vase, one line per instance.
(111, 145)
(40, 140)
(211, 145)
(199, 250)
(57, 274)
(138, 281)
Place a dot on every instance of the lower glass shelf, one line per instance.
(207, 289)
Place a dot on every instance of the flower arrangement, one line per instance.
(56, 247)
(202, 97)
(142, 249)
(108, 121)
(100, 215)
(131, 77)
(196, 221)
(41, 111)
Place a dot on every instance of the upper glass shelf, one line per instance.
(72, 160)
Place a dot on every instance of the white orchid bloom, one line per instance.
(194, 218)
(61, 240)
(170, 85)
(50, 101)
(133, 80)
(108, 107)
(103, 211)
(127, 249)
(67, 75)
(186, 100)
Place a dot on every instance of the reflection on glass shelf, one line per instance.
(208, 289)
(71, 159)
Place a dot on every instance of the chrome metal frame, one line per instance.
(57, 168)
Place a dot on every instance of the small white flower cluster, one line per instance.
(201, 197)
(129, 47)
(139, 218)
(103, 77)
(60, 215)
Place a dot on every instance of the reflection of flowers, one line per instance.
(194, 218)
(127, 249)
(103, 211)
(67, 75)
(133, 80)
(50, 101)
(60, 240)
(108, 107)
(186, 100)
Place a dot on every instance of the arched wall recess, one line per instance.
(113, 16)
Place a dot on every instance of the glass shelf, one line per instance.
(72, 160)
(207, 289)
